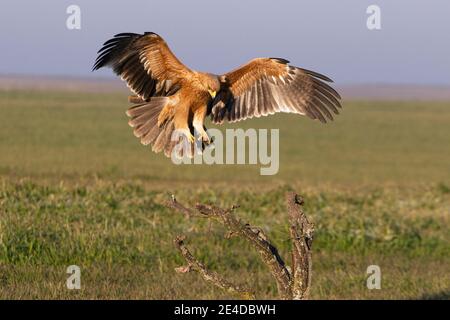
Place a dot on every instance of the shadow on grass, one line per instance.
(442, 295)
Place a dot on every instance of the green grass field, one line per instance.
(78, 188)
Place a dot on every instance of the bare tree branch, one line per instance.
(213, 277)
(302, 232)
(174, 204)
(257, 238)
(293, 285)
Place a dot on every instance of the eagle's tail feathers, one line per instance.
(144, 120)
(154, 125)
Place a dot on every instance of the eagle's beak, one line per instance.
(212, 93)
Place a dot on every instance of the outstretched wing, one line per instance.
(265, 86)
(145, 62)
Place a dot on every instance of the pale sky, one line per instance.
(329, 36)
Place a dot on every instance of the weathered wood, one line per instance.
(290, 285)
(302, 232)
(258, 240)
(212, 277)
(174, 204)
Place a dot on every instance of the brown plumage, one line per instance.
(170, 96)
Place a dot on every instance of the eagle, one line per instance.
(168, 96)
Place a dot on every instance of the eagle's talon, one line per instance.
(190, 138)
(205, 138)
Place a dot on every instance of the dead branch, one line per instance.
(302, 232)
(213, 277)
(293, 285)
(174, 204)
(258, 240)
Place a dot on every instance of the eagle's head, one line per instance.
(211, 83)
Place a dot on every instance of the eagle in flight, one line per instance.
(169, 96)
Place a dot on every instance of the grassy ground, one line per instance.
(77, 188)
